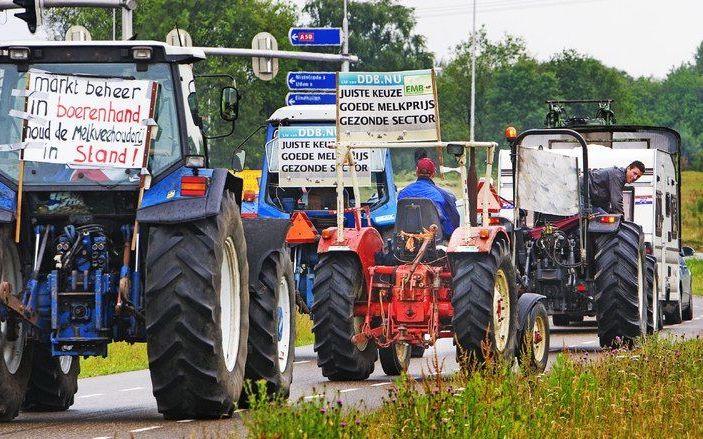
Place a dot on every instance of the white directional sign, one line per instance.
(387, 106)
(305, 159)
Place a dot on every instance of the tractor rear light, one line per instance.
(249, 195)
(494, 221)
(581, 288)
(141, 53)
(249, 215)
(607, 219)
(19, 53)
(327, 233)
(648, 250)
(484, 233)
(193, 186)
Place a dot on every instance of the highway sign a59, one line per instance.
(315, 36)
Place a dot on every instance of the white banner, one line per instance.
(91, 122)
(387, 106)
(305, 159)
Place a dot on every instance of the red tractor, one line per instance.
(421, 287)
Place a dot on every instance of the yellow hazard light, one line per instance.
(510, 133)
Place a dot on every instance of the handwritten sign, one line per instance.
(304, 158)
(387, 106)
(91, 122)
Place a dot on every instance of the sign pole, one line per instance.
(20, 178)
(345, 39)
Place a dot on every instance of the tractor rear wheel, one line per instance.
(621, 299)
(339, 283)
(271, 342)
(534, 343)
(53, 382)
(395, 359)
(197, 314)
(15, 351)
(485, 306)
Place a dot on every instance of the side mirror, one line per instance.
(455, 149)
(238, 160)
(687, 251)
(229, 104)
(193, 104)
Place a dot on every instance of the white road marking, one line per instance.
(319, 395)
(139, 430)
(89, 396)
(183, 421)
(301, 362)
(103, 437)
(349, 390)
(131, 389)
(381, 384)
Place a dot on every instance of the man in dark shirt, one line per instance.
(424, 187)
(606, 184)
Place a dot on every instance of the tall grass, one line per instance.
(696, 267)
(121, 357)
(653, 392)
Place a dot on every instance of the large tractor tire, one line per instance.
(53, 381)
(271, 342)
(15, 351)
(621, 298)
(485, 306)
(339, 283)
(654, 308)
(197, 314)
(395, 359)
(534, 342)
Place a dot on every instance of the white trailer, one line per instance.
(652, 201)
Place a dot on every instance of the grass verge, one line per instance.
(653, 391)
(692, 209)
(696, 267)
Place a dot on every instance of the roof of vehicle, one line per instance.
(170, 51)
(312, 113)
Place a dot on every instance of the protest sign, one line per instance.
(85, 121)
(305, 159)
(387, 106)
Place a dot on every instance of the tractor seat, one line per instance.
(414, 215)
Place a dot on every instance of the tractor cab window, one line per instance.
(301, 176)
(165, 150)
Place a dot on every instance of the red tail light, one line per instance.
(249, 195)
(494, 221)
(249, 214)
(193, 186)
(581, 288)
(648, 250)
(607, 219)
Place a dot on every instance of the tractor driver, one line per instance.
(606, 184)
(424, 187)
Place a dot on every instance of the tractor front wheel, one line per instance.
(485, 306)
(272, 327)
(53, 382)
(197, 314)
(395, 359)
(534, 344)
(339, 283)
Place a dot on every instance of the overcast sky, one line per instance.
(642, 37)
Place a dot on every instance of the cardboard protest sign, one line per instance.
(83, 121)
(304, 158)
(387, 106)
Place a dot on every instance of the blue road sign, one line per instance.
(315, 36)
(311, 98)
(311, 81)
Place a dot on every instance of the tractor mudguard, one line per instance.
(163, 204)
(470, 241)
(524, 305)
(264, 237)
(365, 243)
(597, 226)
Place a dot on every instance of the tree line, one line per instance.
(512, 85)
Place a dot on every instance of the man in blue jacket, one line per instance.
(424, 187)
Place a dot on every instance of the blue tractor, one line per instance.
(156, 252)
(298, 186)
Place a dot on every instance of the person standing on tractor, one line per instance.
(606, 185)
(424, 187)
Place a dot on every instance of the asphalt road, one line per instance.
(122, 405)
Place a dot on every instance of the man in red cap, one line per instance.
(424, 187)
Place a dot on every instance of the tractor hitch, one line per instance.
(16, 305)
